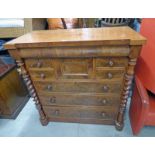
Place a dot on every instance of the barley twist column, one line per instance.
(119, 123)
(22, 70)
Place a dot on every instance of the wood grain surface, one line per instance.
(79, 75)
(74, 37)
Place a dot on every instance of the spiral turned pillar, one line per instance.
(22, 70)
(119, 123)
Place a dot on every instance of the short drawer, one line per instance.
(76, 68)
(42, 74)
(111, 62)
(80, 112)
(79, 87)
(39, 63)
(69, 99)
(107, 73)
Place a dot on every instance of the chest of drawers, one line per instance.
(79, 75)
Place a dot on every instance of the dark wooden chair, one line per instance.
(109, 22)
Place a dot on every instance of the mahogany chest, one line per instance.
(79, 75)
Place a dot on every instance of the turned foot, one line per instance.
(44, 121)
(119, 126)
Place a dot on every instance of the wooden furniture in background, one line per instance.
(70, 23)
(79, 75)
(114, 22)
(30, 24)
(13, 93)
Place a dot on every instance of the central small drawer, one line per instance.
(75, 68)
(79, 87)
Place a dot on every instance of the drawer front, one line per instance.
(76, 51)
(76, 68)
(80, 112)
(81, 87)
(112, 62)
(76, 99)
(103, 73)
(79, 68)
(39, 63)
(42, 74)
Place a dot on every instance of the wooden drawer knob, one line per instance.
(39, 64)
(49, 87)
(111, 63)
(103, 114)
(56, 112)
(53, 99)
(42, 75)
(105, 88)
(104, 101)
(32, 65)
(110, 75)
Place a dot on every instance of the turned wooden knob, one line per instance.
(103, 114)
(49, 87)
(56, 112)
(104, 101)
(105, 88)
(42, 75)
(39, 64)
(53, 99)
(32, 65)
(110, 75)
(111, 63)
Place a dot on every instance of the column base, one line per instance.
(44, 121)
(119, 126)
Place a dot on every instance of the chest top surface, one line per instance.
(78, 37)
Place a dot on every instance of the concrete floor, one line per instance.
(27, 124)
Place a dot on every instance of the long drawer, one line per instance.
(77, 51)
(78, 113)
(81, 87)
(70, 99)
